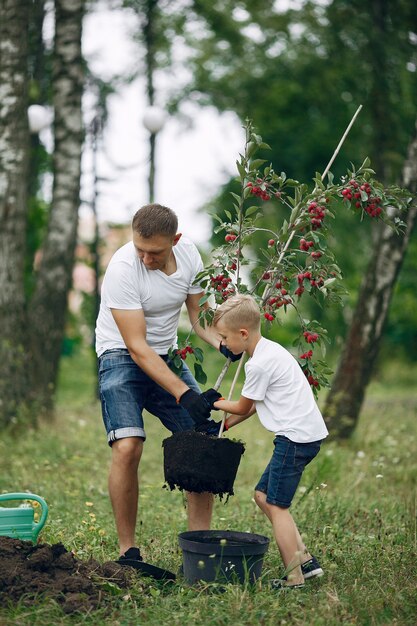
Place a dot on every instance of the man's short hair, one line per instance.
(155, 219)
(238, 311)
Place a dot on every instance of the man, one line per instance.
(145, 285)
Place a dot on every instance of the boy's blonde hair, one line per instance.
(237, 312)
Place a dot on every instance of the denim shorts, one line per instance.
(283, 473)
(125, 391)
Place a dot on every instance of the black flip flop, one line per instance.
(148, 570)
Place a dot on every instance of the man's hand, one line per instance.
(211, 396)
(228, 354)
(196, 405)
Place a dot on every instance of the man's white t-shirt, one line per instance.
(128, 285)
(284, 401)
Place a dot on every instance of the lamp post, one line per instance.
(40, 117)
(153, 120)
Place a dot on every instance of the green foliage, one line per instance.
(300, 74)
(354, 508)
(295, 257)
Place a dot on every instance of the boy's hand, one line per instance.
(210, 427)
(211, 396)
(196, 405)
(228, 354)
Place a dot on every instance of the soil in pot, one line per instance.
(196, 462)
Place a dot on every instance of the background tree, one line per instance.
(33, 314)
(365, 333)
(14, 134)
(48, 307)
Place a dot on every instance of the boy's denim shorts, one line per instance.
(283, 473)
(125, 391)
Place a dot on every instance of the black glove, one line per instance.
(211, 396)
(228, 354)
(210, 427)
(196, 405)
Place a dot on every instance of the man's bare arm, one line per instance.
(132, 327)
(207, 333)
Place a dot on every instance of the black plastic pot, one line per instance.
(222, 555)
(196, 462)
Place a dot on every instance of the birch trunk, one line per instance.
(355, 367)
(49, 305)
(14, 153)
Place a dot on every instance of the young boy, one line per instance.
(276, 388)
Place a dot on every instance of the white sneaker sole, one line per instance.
(315, 573)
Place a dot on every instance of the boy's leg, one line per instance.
(286, 535)
(124, 488)
(260, 499)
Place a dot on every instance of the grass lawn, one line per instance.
(356, 508)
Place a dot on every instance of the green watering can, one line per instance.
(18, 522)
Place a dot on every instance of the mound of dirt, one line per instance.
(27, 570)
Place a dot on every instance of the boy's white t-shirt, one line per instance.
(129, 285)
(283, 398)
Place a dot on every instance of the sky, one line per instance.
(192, 161)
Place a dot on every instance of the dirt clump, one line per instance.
(28, 570)
(196, 462)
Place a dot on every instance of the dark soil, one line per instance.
(27, 570)
(196, 462)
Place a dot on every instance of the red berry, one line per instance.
(271, 242)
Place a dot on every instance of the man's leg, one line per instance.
(199, 509)
(124, 488)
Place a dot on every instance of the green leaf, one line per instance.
(366, 163)
(251, 210)
(257, 163)
(204, 299)
(199, 354)
(251, 148)
(294, 214)
(199, 374)
(228, 214)
(241, 170)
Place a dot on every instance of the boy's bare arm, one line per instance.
(244, 407)
(233, 420)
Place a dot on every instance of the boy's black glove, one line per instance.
(228, 354)
(196, 405)
(210, 427)
(211, 396)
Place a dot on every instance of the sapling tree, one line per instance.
(297, 260)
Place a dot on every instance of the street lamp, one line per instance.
(153, 120)
(40, 117)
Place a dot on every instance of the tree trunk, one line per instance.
(49, 305)
(355, 367)
(14, 151)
